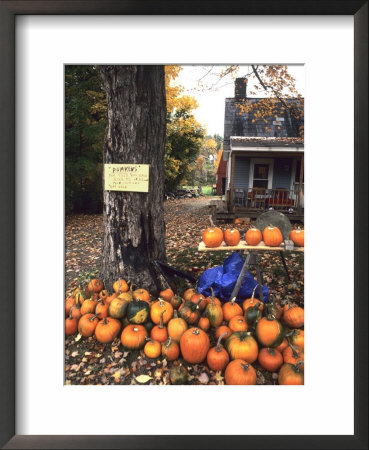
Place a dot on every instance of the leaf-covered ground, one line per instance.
(88, 362)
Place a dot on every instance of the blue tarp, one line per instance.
(223, 279)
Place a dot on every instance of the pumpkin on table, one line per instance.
(212, 237)
(297, 236)
(107, 330)
(240, 372)
(217, 357)
(232, 237)
(272, 236)
(241, 345)
(133, 337)
(253, 236)
(194, 345)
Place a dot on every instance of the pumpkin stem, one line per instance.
(92, 318)
(196, 331)
(233, 300)
(105, 321)
(296, 367)
(295, 353)
(175, 314)
(245, 366)
(161, 325)
(168, 342)
(218, 348)
(253, 292)
(212, 295)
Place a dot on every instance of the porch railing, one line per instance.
(263, 199)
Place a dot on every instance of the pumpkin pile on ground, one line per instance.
(234, 339)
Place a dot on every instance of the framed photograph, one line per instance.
(62, 65)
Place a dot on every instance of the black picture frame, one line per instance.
(8, 12)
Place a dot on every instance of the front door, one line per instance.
(261, 173)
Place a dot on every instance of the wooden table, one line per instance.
(251, 259)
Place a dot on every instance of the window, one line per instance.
(261, 175)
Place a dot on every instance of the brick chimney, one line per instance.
(240, 88)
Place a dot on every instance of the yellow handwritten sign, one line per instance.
(126, 177)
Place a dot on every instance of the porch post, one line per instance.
(231, 185)
(301, 180)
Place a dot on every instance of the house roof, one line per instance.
(252, 141)
(245, 125)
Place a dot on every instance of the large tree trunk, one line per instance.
(134, 229)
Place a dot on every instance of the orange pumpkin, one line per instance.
(170, 349)
(238, 323)
(232, 237)
(103, 294)
(194, 345)
(110, 298)
(176, 327)
(188, 293)
(102, 309)
(159, 332)
(107, 330)
(88, 306)
(296, 337)
(270, 359)
(199, 299)
(158, 307)
(75, 312)
(133, 337)
(240, 372)
(190, 312)
(167, 294)
(223, 329)
(241, 345)
(249, 302)
(212, 237)
(69, 302)
(217, 357)
(87, 324)
(253, 236)
(238, 221)
(282, 345)
(290, 374)
(71, 324)
(272, 236)
(141, 294)
(231, 309)
(176, 301)
(293, 355)
(204, 323)
(95, 286)
(297, 236)
(152, 349)
(293, 316)
(120, 286)
(269, 332)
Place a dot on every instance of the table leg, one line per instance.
(285, 265)
(260, 282)
(241, 276)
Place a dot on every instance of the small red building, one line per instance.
(221, 176)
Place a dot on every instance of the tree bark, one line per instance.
(134, 229)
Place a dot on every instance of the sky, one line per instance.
(210, 112)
